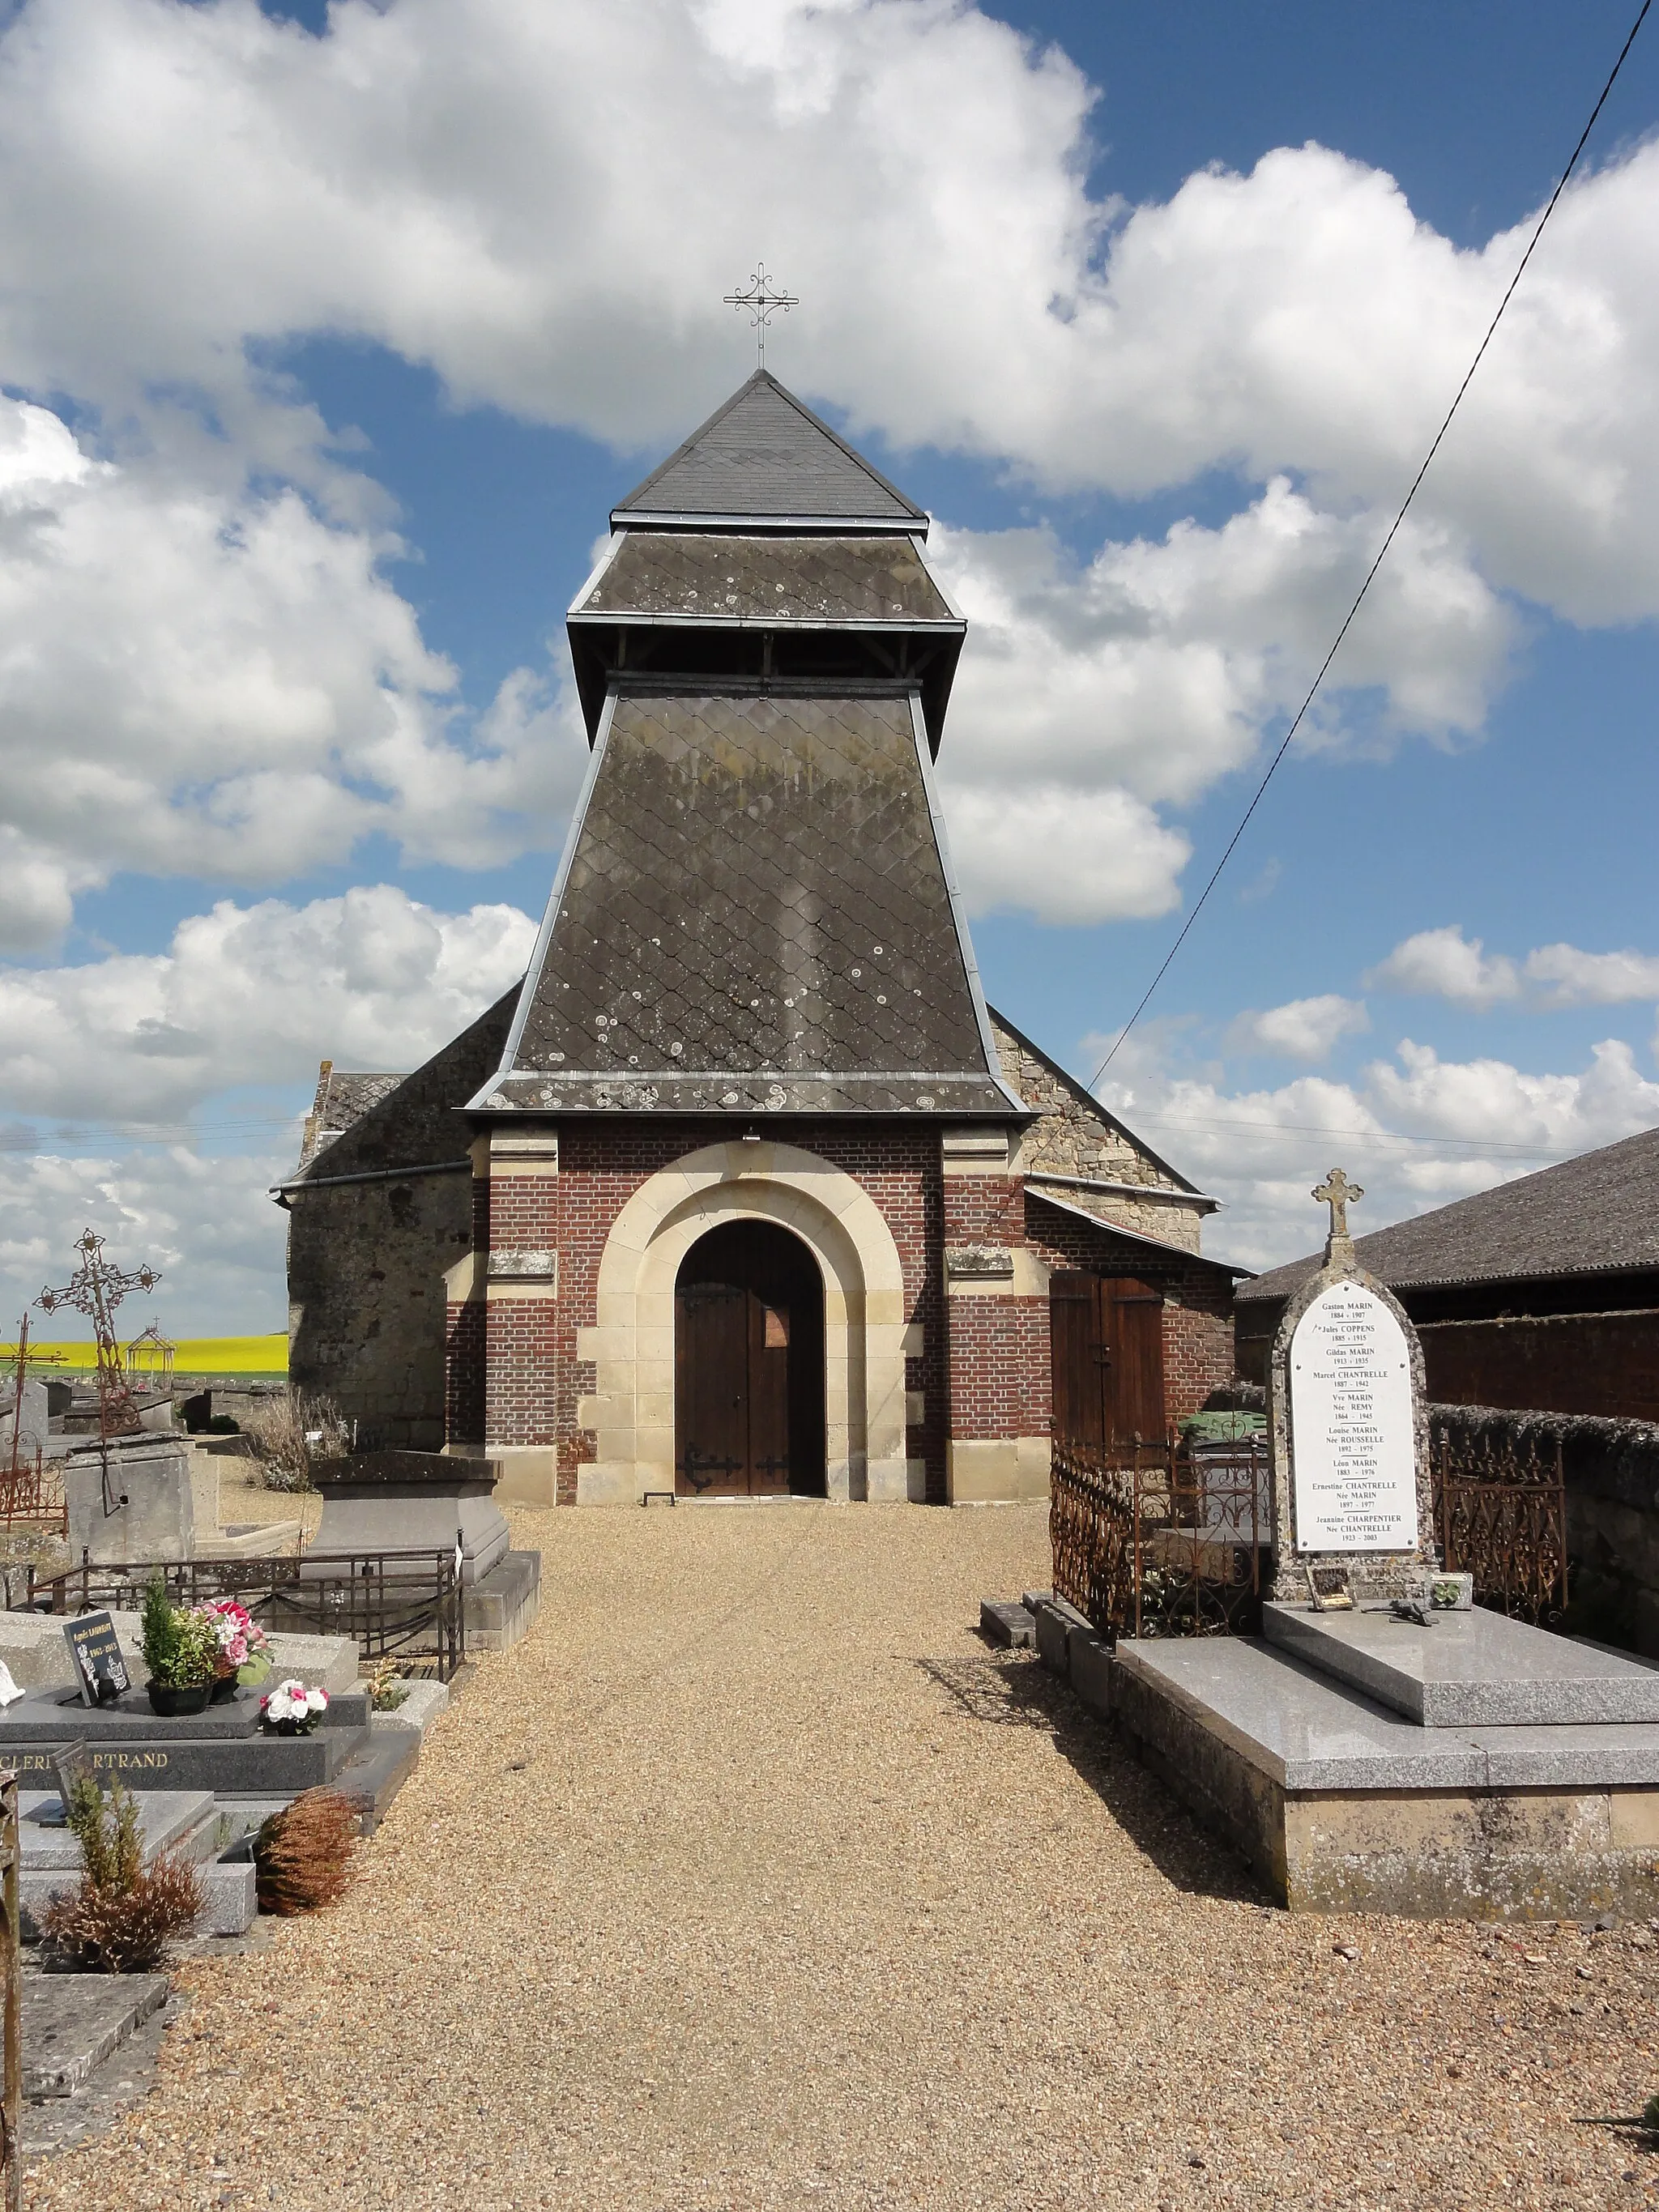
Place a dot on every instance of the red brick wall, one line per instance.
(534, 1377)
(983, 1369)
(464, 1373)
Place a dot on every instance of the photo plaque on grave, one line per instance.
(1351, 1501)
(99, 1667)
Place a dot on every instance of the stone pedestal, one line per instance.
(411, 1501)
(140, 1509)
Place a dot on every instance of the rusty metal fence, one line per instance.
(32, 1498)
(1161, 1539)
(398, 1605)
(1500, 1510)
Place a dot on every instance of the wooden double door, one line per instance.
(1106, 1351)
(749, 1365)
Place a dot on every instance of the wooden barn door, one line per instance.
(1106, 1351)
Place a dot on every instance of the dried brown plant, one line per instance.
(290, 1434)
(303, 1855)
(123, 1915)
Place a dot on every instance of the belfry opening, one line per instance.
(749, 1380)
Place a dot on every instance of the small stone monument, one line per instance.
(130, 1500)
(1351, 1490)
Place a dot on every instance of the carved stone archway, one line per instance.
(632, 1344)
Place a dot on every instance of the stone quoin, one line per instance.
(745, 1191)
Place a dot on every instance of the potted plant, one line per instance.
(181, 1651)
(243, 1653)
(291, 1709)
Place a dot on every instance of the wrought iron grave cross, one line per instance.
(96, 1289)
(762, 298)
(1335, 1192)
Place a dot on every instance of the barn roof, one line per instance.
(1598, 1214)
(766, 458)
(754, 913)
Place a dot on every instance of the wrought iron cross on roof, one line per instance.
(1335, 1192)
(762, 298)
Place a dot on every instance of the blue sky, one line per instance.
(329, 344)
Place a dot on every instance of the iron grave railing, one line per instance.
(1161, 1538)
(407, 1605)
(1500, 1511)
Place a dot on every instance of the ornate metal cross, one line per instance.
(762, 298)
(96, 1289)
(1335, 1192)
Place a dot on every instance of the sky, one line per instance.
(328, 336)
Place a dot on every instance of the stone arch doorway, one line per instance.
(749, 1365)
(630, 1412)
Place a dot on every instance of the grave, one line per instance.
(386, 1501)
(1353, 1497)
(1380, 1747)
(25, 1422)
(188, 1822)
(130, 1500)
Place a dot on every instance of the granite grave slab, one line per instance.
(1473, 1669)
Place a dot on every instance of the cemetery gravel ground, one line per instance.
(753, 1879)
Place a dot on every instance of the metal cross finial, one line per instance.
(762, 298)
(1335, 1192)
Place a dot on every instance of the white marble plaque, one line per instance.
(1353, 1451)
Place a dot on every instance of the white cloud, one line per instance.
(252, 995)
(1143, 676)
(206, 1224)
(1302, 1028)
(1562, 975)
(1444, 964)
(1415, 1130)
(1063, 854)
(220, 682)
(191, 185)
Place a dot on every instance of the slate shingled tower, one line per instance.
(753, 1165)
(755, 914)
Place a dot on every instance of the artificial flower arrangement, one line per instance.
(291, 1709)
(243, 1648)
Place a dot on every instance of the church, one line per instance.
(745, 1191)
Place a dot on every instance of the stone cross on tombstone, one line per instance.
(1352, 1488)
(1335, 1192)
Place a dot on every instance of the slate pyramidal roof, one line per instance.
(755, 912)
(765, 458)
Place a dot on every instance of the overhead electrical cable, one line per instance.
(1394, 530)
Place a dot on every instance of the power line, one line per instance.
(1393, 529)
(1354, 1136)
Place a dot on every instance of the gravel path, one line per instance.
(753, 1879)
